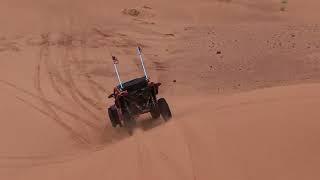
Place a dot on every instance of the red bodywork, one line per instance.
(117, 94)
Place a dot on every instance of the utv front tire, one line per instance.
(164, 109)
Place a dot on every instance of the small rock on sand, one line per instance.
(131, 12)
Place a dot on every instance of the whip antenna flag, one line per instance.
(115, 62)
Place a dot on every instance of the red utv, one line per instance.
(136, 97)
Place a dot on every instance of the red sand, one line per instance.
(56, 73)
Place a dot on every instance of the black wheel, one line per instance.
(164, 109)
(155, 112)
(113, 116)
(129, 121)
(129, 124)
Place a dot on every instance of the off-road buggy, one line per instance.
(136, 97)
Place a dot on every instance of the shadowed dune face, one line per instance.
(56, 74)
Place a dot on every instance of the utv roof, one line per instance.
(134, 84)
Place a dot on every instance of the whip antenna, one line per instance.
(141, 59)
(115, 62)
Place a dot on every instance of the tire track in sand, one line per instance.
(74, 91)
(54, 74)
(44, 52)
(54, 105)
(93, 89)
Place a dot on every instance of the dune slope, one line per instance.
(214, 60)
(265, 134)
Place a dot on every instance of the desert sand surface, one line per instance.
(241, 76)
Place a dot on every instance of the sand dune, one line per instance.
(241, 77)
(264, 134)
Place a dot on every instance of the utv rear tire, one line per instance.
(155, 111)
(113, 116)
(164, 109)
(130, 125)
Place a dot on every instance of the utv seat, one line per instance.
(134, 84)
